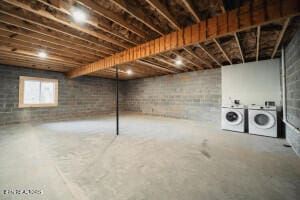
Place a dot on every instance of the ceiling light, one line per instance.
(178, 62)
(129, 72)
(78, 15)
(42, 54)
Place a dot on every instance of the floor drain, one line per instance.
(287, 145)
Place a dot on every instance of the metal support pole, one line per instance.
(117, 100)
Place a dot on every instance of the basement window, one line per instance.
(37, 92)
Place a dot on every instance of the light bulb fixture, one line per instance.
(79, 15)
(129, 72)
(178, 62)
(42, 54)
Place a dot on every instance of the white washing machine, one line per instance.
(233, 118)
(263, 120)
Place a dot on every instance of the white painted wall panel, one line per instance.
(252, 83)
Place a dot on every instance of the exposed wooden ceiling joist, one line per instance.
(33, 23)
(66, 7)
(285, 25)
(190, 8)
(222, 50)
(222, 6)
(29, 57)
(17, 48)
(44, 44)
(70, 24)
(209, 54)
(155, 66)
(187, 61)
(228, 23)
(113, 17)
(197, 57)
(138, 14)
(6, 39)
(164, 12)
(169, 61)
(240, 47)
(257, 42)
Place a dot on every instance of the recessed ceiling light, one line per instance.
(78, 15)
(42, 54)
(178, 62)
(129, 72)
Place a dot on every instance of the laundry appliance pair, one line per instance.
(261, 120)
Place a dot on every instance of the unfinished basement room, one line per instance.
(149, 100)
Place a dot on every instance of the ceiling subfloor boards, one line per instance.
(147, 37)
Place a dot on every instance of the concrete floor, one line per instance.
(153, 158)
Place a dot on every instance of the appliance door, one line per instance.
(233, 117)
(263, 120)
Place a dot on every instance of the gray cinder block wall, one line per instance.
(292, 63)
(80, 97)
(191, 95)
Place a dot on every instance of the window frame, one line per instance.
(22, 79)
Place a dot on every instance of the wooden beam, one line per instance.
(279, 39)
(184, 37)
(192, 53)
(40, 66)
(13, 56)
(12, 47)
(186, 61)
(70, 24)
(35, 42)
(66, 7)
(144, 71)
(166, 60)
(164, 12)
(222, 50)
(22, 45)
(155, 66)
(175, 70)
(257, 42)
(190, 8)
(33, 23)
(240, 47)
(209, 54)
(221, 3)
(170, 61)
(139, 15)
(113, 17)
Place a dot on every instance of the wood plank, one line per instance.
(155, 66)
(209, 54)
(67, 23)
(191, 9)
(33, 23)
(113, 17)
(164, 12)
(187, 61)
(65, 7)
(165, 60)
(233, 28)
(197, 57)
(170, 61)
(139, 15)
(279, 39)
(222, 50)
(240, 48)
(257, 42)
(15, 45)
(173, 69)
(38, 44)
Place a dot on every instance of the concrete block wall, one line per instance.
(292, 63)
(80, 97)
(191, 95)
